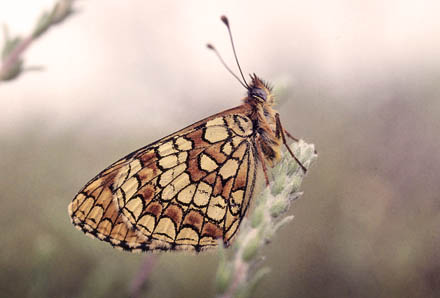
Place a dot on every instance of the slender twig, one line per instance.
(14, 48)
(238, 276)
(13, 59)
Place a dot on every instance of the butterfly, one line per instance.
(191, 188)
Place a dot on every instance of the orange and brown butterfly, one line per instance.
(191, 188)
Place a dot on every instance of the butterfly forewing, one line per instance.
(184, 191)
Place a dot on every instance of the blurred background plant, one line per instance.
(362, 83)
(14, 47)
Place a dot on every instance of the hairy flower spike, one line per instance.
(270, 206)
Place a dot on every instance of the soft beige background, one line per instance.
(360, 79)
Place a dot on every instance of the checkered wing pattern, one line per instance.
(183, 192)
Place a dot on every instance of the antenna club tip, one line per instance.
(210, 46)
(224, 20)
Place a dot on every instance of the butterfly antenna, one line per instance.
(226, 22)
(211, 47)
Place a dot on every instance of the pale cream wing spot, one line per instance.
(232, 229)
(237, 196)
(171, 174)
(146, 224)
(217, 208)
(86, 206)
(236, 141)
(94, 215)
(118, 199)
(93, 187)
(207, 163)
(214, 134)
(175, 186)
(135, 166)
(227, 148)
(186, 194)
(130, 187)
(122, 175)
(79, 199)
(166, 148)
(216, 121)
(202, 195)
(183, 144)
(229, 219)
(169, 161)
(182, 157)
(229, 169)
(237, 200)
(105, 227)
(165, 229)
(187, 236)
(135, 208)
(118, 230)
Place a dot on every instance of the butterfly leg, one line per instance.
(281, 132)
(290, 136)
(261, 158)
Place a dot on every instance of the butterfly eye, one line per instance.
(258, 94)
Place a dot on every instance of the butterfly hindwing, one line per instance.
(184, 191)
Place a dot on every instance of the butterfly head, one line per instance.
(259, 91)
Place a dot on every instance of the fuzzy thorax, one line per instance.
(261, 99)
